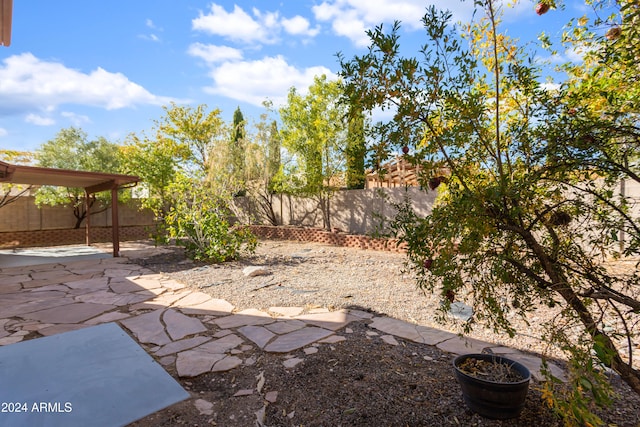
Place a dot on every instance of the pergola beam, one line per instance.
(91, 182)
(6, 12)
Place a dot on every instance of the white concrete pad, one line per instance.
(96, 376)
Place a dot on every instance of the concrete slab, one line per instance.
(36, 256)
(96, 376)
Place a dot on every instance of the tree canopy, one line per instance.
(71, 149)
(528, 208)
(314, 131)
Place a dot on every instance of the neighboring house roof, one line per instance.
(400, 173)
(6, 12)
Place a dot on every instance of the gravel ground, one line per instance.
(362, 381)
(312, 275)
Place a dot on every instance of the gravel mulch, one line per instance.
(362, 381)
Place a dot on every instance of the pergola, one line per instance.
(91, 182)
(6, 8)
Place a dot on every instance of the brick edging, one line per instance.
(303, 234)
(69, 236)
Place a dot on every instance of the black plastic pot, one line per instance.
(497, 400)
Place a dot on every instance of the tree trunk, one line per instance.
(630, 375)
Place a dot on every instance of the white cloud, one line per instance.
(212, 53)
(28, 83)
(257, 27)
(267, 78)
(550, 87)
(351, 18)
(76, 119)
(150, 37)
(37, 120)
(3, 132)
(237, 25)
(299, 25)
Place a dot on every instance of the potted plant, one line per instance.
(492, 386)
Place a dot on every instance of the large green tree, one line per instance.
(314, 131)
(71, 149)
(267, 179)
(356, 150)
(185, 141)
(530, 209)
(196, 130)
(239, 154)
(9, 193)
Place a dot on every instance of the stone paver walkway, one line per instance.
(183, 328)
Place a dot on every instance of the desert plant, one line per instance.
(200, 221)
(530, 208)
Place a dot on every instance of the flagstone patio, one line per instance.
(185, 329)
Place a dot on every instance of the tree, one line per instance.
(314, 130)
(157, 162)
(199, 220)
(195, 130)
(71, 149)
(187, 141)
(356, 150)
(516, 220)
(238, 149)
(9, 193)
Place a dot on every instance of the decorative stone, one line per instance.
(297, 339)
(192, 363)
(179, 326)
(245, 318)
(285, 326)
(178, 346)
(204, 407)
(212, 307)
(258, 334)
(256, 270)
(461, 345)
(227, 364)
(286, 311)
(389, 339)
(460, 311)
(222, 345)
(147, 328)
(271, 396)
(410, 331)
(333, 339)
(290, 363)
(333, 320)
(310, 350)
(71, 313)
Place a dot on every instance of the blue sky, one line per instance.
(108, 67)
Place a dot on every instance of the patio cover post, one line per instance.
(115, 226)
(87, 228)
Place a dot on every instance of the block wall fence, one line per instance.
(327, 237)
(23, 224)
(353, 212)
(356, 215)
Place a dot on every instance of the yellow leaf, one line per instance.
(583, 21)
